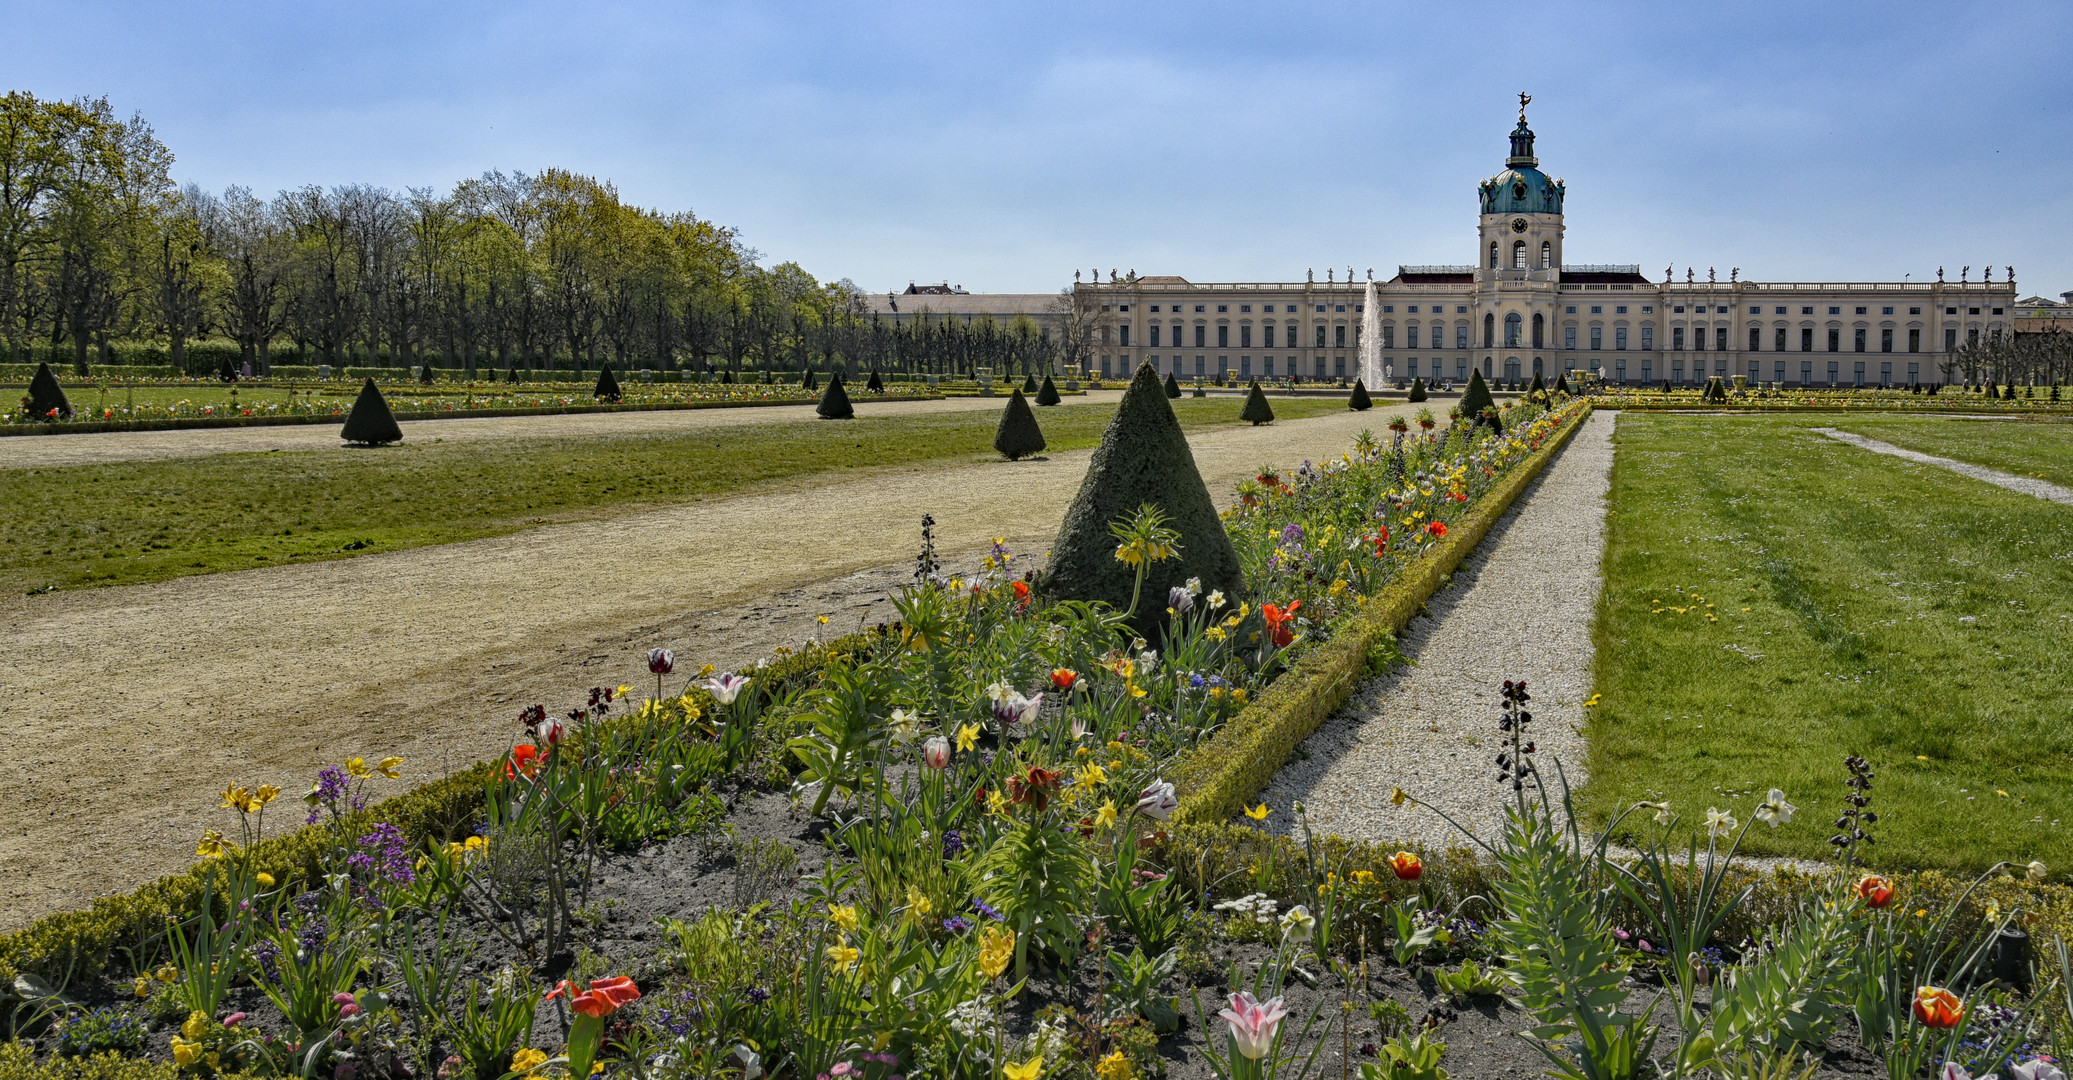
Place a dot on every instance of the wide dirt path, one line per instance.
(128, 708)
(41, 451)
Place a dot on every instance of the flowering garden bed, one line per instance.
(948, 847)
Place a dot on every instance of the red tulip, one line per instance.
(1407, 866)
(526, 760)
(1278, 620)
(1938, 1008)
(1437, 529)
(1876, 891)
(1064, 678)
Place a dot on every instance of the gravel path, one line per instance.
(45, 451)
(128, 706)
(1519, 607)
(2027, 485)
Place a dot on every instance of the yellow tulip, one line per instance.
(996, 948)
(265, 880)
(358, 767)
(211, 845)
(1028, 1070)
(389, 765)
(1258, 813)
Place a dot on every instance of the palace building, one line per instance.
(1519, 310)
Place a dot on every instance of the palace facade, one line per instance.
(1521, 310)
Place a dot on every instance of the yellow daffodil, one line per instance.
(1214, 633)
(918, 906)
(843, 957)
(1398, 797)
(388, 766)
(844, 916)
(1028, 1070)
(967, 737)
(996, 802)
(527, 1060)
(211, 845)
(1090, 776)
(1106, 816)
(996, 948)
(1258, 813)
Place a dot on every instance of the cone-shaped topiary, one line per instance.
(1143, 458)
(1536, 388)
(835, 400)
(1172, 386)
(1018, 436)
(226, 372)
(1477, 397)
(1047, 394)
(46, 397)
(1417, 390)
(1029, 383)
(371, 423)
(607, 384)
(876, 385)
(1359, 401)
(727, 375)
(1715, 392)
(1562, 383)
(1256, 408)
(424, 374)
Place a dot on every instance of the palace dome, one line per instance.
(1521, 188)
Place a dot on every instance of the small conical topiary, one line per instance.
(1256, 408)
(607, 385)
(1172, 386)
(226, 372)
(46, 397)
(727, 375)
(1537, 386)
(1716, 391)
(1018, 436)
(1477, 397)
(835, 400)
(371, 423)
(1359, 401)
(1143, 459)
(1417, 390)
(876, 385)
(424, 374)
(1029, 383)
(1562, 383)
(1047, 394)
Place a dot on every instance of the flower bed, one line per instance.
(1001, 890)
(2034, 400)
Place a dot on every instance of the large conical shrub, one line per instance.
(371, 423)
(1018, 436)
(1477, 397)
(1172, 386)
(607, 385)
(1256, 408)
(1716, 391)
(1359, 401)
(1143, 458)
(876, 385)
(835, 400)
(46, 397)
(1417, 390)
(1047, 394)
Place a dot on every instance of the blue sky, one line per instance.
(1001, 146)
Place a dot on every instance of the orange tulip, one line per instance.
(1064, 678)
(1407, 866)
(1938, 1008)
(1437, 529)
(1876, 891)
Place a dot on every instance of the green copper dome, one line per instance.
(1522, 188)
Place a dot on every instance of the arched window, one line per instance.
(1518, 254)
(1489, 326)
(1493, 254)
(1537, 334)
(1511, 330)
(1547, 254)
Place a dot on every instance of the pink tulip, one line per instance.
(935, 753)
(1253, 1024)
(661, 661)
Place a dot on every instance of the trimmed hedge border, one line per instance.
(77, 945)
(1222, 775)
(183, 423)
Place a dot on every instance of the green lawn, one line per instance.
(1775, 600)
(2025, 448)
(121, 524)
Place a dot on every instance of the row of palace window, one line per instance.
(1675, 369)
(1223, 336)
(1180, 365)
(1520, 255)
(1514, 337)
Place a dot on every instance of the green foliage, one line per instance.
(1536, 387)
(371, 423)
(1476, 398)
(1468, 982)
(1135, 989)
(1036, 874)
(1143, 459)
(607, 388)
(1784, 998)
(18, 1062)
(1417, 390)
(1257, 411)
(1018, 436)
(1562, 383)
(835, 401)
(1359, 401)
(1047, 394)
(45, 396)
(1407, 1057)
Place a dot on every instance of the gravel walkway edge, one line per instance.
(2040, 488)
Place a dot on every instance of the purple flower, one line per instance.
(953, 842)
(957, 924)
(756, 994)
(385, 853)
(1291, 533)
(989, 911)
(332, 785)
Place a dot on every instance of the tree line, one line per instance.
(510, 271)
(2040, 359)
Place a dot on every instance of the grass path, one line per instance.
(125, 523)
(1776, 599)
(129, 705)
